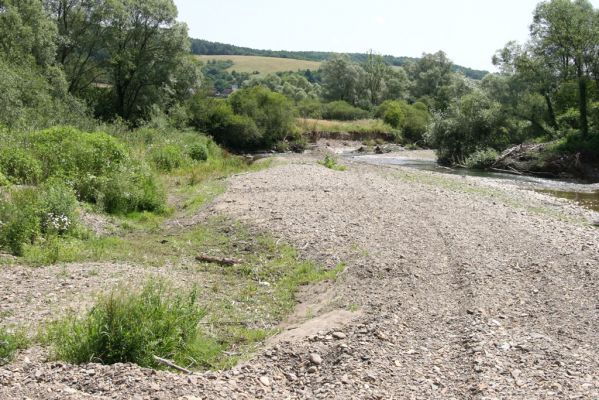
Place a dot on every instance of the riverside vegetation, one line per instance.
(108, 117)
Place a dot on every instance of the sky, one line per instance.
(469, 31)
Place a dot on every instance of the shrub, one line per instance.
(394, 115)
(19, 166)
(72, 154)
(310, 108)
(58, 206)
(134, 327)
(20, 221)
(482, 159)
(341, 110)
(27, 214)
(331, 163)
(9, 344)
(198, 152)
(216, 117)
(272, 113)
(134, 188)
(4, 180)
(167, 157)
(417, 118)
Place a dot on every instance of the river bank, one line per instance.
(454, 287)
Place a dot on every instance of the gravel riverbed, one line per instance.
(454, 288)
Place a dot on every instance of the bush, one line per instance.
(9, 344)
(310, 108)
(131, 189)
(20, 220)
(31, 213)
(4, 180)
(343, 111)
(271, 112)
(417, 118)
(394, 115)
(167, 157)
(216, 117)
(481, 159)
(72, 154)
(331, 163)
(58, 205)
(19, 166)
(198, 152)
(134, 327)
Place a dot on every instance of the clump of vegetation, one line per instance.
(343, 111)
(251, 119)
(481, 159)
(198, 152)
(19, 167)
(30, 214)
(93, 164)
(126, 326)
(9, 344)
(167, 157)
(331, 163)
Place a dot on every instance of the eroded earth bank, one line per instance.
(453, 288)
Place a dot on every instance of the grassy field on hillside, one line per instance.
(264, 65)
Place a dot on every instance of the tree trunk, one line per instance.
(552, 119)
(582, 101)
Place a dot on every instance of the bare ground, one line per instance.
(454, 288)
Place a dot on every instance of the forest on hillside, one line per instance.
(205, 47)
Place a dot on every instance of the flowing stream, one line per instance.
(587, 195)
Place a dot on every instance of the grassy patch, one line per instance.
(263, 65)
(243, 304)
(126, 326)
(9, 344)
(376, 126)
(331, 163)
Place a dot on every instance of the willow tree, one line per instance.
(564, 36)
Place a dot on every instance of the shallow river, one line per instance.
(587, 195)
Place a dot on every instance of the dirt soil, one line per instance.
(454, 288)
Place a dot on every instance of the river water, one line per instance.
(587, 195)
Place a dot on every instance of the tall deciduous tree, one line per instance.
(377, 73)
(145, 43)
(564, 36)
(342, 79)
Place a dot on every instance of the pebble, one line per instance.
(339, 335)
(264, 380)
(316, 358)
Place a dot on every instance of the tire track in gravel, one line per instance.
(465, 293)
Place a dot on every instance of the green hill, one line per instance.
(204, 48)
(263, 65)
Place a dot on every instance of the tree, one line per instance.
(27, 35)
(82, 38)
(431, 75)
(145, 43)
(564, 35)
(377, 73)
(342, 79)
(474, 122)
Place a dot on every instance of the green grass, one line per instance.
(134, 326)
(375, 126)
(9, 344)
(240, 305)
(263, 65)
(243, 304)
(331, 163)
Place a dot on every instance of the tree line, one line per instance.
(205, 47)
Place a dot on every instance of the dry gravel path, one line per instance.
(454, 288)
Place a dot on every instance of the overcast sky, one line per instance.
(469, 31)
